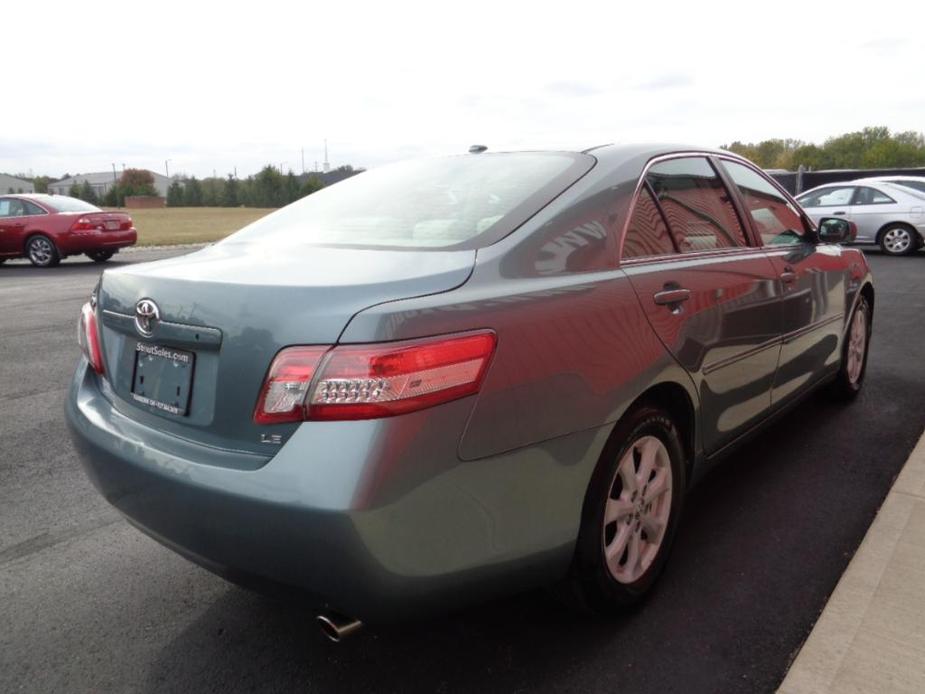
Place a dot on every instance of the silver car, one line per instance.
(885, 213)
(445, 380)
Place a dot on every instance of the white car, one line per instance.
(914, 182)
(885, 213)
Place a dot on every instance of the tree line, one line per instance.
(870, 148)
(268, 188)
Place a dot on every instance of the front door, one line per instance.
(12, 224)
(871, 209)
(713, 299)
(812, 283)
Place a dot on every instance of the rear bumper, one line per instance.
(96, 240)
(335, 515)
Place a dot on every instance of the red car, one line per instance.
(47, 228)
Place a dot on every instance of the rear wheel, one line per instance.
(99, 256)
(42, 252)
(630, 512)
(850, 377)
(899, 239)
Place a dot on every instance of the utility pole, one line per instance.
(303, 160)
(327, 166)
(167, 168)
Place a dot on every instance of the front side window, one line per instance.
(828, 197)
(696, 204)
(870, 196)
(778, 222)
(646, 234)
(463, 202)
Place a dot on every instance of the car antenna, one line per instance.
(477, 149)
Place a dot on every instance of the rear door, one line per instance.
(812, 282)
(871, 209)
(710, 294)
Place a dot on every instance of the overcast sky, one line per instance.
(214, 87)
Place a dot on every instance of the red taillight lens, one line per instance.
(88, 337)
(371, 381)
(283, 394)
(86, 224)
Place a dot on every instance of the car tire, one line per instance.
(899, 239)
(853, 368)
(42, 251)
(99, 256)
(615, 562)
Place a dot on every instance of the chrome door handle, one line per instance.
(840, 212)
(671, 296)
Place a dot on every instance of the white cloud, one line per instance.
(217, 86)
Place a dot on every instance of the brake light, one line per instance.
(88, 337)
(372, 381)
(283, 393)
(86, 224)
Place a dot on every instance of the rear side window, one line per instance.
(776, 219)
(916, 185)
(870, 196)
(32, 208)
(647, 234)
(696, 204)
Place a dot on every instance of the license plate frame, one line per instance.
(163, 377)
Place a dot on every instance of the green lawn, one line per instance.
(173, 225)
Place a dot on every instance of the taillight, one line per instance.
(88, 337)
(283, 394)
(371, 381)
(86, 224)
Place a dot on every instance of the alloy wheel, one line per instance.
(638, 509)
(41, 251)
(857, 345)
(897, 240)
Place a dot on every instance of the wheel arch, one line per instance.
(675, 400)
(32, 233)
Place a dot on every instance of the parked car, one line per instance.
(445, 380)
(47, 228)
(914, 182)
(887, 214)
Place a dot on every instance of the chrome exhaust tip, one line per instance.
(337, 627)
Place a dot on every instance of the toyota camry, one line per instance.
(449, 379)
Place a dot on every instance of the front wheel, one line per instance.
(99, 256)
(630, 513)
(42, 252)
(898, 240)
(853, 368)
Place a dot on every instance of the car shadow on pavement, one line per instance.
(756, 557)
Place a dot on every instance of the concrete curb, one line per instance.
(871, 635)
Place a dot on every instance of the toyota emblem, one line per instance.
(146, 316)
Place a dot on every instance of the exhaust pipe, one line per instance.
(337, 627)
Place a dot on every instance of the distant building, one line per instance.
(11, 184)
(101, 183)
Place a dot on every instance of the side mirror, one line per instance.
(835, 230)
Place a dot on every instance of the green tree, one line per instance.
(267, 188)
(290, 188)
(192, 193)
(312, 184)
(73, 191)
(112, 198)
(175, 194)
(213, 191)
(41, 183)
(137, 182)
(230, 197)
(88, 194)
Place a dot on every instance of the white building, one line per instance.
(11, 184)
(101, 183)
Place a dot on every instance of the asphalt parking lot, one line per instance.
(87, 603)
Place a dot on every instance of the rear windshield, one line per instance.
(63, 203)
(453, 202)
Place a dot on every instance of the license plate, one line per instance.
(112, 226)
(163, 377)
